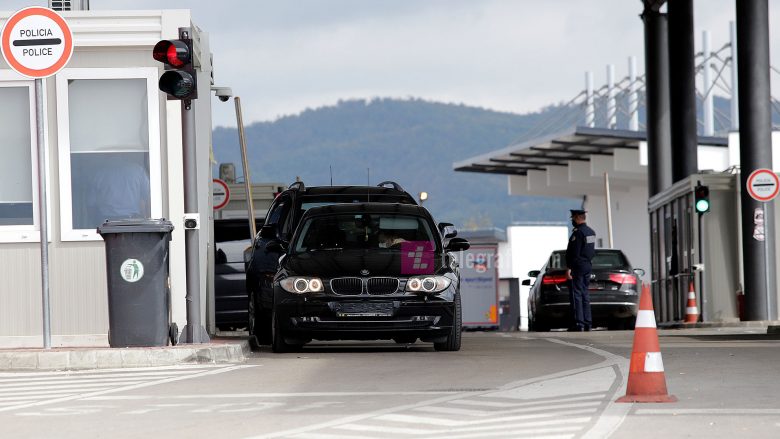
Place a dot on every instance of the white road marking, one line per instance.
(734, 411)
(547, 399)
(123, 387)
(108, 371)
(270, 395)
(84, 385)
(596, 397)
(536, 433)
(534, 407)
(50, 378)
(330, 436)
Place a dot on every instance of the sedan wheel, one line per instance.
(278, 344)
(454, 338)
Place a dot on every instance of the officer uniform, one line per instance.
(579, 252)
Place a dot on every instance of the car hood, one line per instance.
(337, 263)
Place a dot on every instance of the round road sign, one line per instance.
(221, 194)
(763, 185)
(36, 42)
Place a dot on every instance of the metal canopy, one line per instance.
(574, 144)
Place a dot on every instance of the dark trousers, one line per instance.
(580, 300)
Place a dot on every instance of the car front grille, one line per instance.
(382, 285)
(353, 286)
(347, 286)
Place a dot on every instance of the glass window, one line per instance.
(109, 150)
(601, 259)
(16, 191)
(363, 231)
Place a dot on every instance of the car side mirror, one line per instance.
(447, 230)
(526, 282)
(457, 244)
(533, 273)
(268, 232)
(276, 246)
(640, 272)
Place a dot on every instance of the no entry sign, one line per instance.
(763, 185)
(221, 193)
(36, 42)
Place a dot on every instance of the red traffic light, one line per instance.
(175, 53)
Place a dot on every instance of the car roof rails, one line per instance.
(395, 185)
(298, 185)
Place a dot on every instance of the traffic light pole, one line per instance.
(194, 332)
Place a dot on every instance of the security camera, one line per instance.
(191, 221)
(223, 93)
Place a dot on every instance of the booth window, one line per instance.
(112, 167)
(18, 199)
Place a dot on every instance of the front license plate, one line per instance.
(378, 309)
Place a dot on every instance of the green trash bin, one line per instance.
(138, 290)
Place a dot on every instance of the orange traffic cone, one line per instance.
(646, 379)
(691, 310)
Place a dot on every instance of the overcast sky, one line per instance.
(283, 56)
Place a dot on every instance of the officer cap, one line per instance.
(575, 212)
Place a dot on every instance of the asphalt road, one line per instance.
(554, 385)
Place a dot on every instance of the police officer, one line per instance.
(582, 246)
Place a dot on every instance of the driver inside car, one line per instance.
(386, 239)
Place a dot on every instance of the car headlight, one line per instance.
(301, 285)
(427, 284)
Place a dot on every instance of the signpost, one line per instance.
(37, 43)
(220, 193)
(763, 185)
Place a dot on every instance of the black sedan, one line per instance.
(367, 271)
(614, 292)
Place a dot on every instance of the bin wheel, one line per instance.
(173, 334)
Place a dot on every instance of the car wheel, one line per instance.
(278, 344)
(251, 324)
(453, 339)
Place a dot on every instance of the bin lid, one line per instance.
(136, 226)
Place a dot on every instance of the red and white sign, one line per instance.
(221, 194)
(36, 42)
(763, 185)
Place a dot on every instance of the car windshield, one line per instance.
(363, 232)
(602, 259)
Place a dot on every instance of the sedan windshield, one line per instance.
(362, 232)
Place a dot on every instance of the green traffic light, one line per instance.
(702, 206)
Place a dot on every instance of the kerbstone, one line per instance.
(83, 359)
(53, 360)
(108, 359)
(24, 360)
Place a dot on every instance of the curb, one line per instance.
(710, 325)
(117, 358)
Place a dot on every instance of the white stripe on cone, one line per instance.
(691, 295)
(645, 319)
(692, 310)
(653, 362)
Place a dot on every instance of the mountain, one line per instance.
(410, 141)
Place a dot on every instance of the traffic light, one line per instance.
(180, 81)
(701, 196)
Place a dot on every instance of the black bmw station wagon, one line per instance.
(368, 271)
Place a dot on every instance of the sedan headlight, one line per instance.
(427, 284)
(301, 285)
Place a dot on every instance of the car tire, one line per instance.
(278, 344)
(251, 323)
(454, 338)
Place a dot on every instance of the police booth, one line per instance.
(696, 250)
